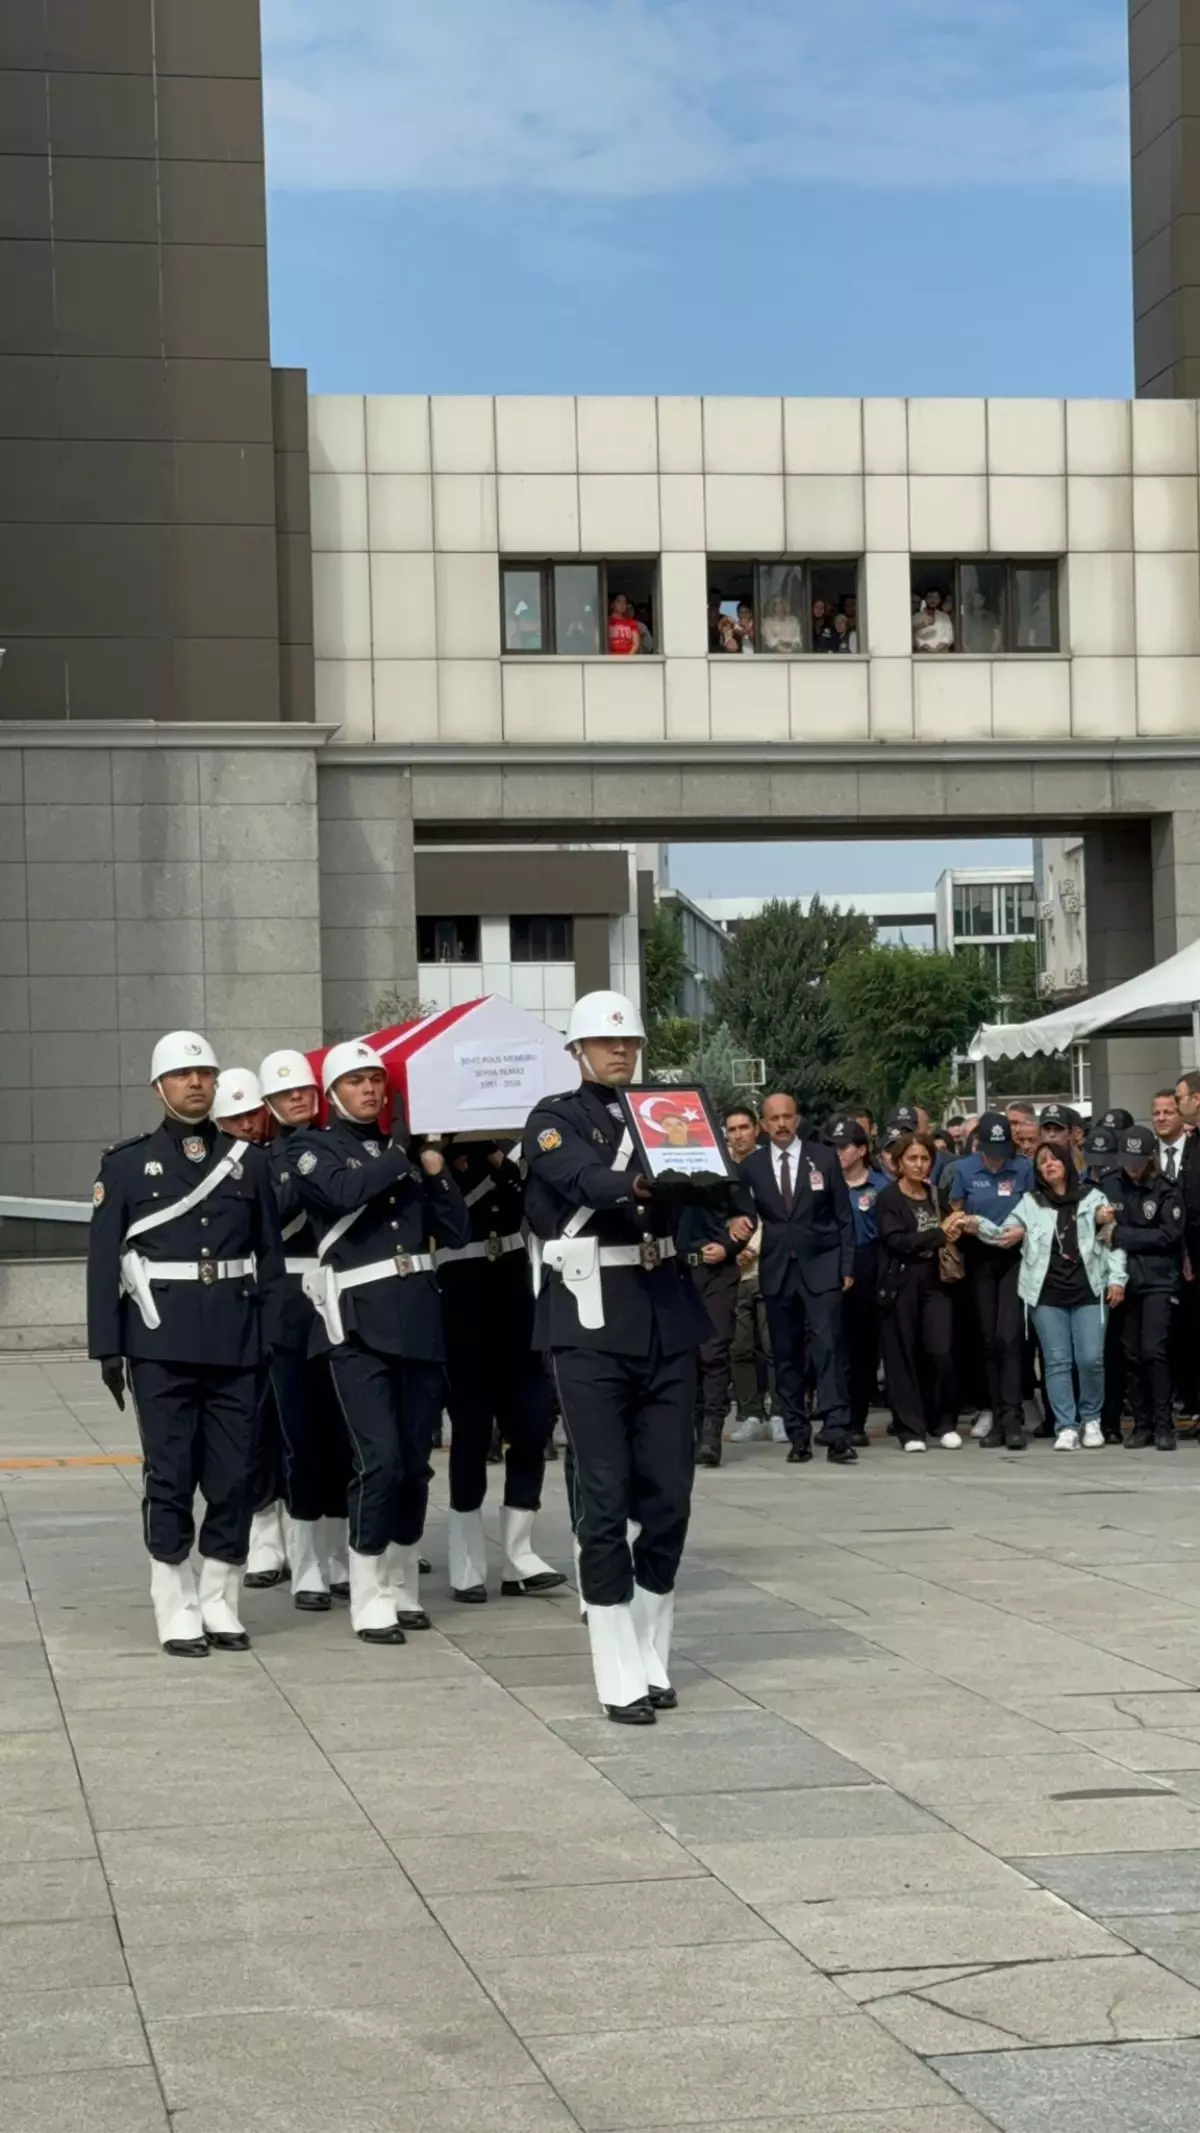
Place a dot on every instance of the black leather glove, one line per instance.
(112, 1370)
(702, 1188)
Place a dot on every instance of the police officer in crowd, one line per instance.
(710, 1254)
(750, 1353)
(990, 1183)
(185, 1263)
(314, 1446)
(496, 1380)
(239, 1110)
(806, 1265)
(621, 1323)
(1149, 1230)
(375, 1211)
(849, 1139)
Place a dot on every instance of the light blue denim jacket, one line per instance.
(1104, 1266)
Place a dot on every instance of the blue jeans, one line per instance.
(1072, 1337)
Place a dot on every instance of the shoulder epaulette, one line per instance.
(114, 1147)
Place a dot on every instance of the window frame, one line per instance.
(449, 918)
(1052, 565)
(805, 565)
(545, 566)
(545, 918)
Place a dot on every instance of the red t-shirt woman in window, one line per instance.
(624, 636)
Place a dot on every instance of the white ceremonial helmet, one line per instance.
(604, 1014)
(349, 1058)
(179, 1051)
(281, 1071)
(237, 1091)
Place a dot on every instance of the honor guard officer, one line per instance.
(239, 1110)
(185, 1261)
(380, 1324)
(621, 1323)
(315, 1450)
(495, 1378)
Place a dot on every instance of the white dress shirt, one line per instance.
(1170, 1157)
(792, 1151)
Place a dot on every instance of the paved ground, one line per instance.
(919, 1852)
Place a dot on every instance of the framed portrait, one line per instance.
(675, 1129)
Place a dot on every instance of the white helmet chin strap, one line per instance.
(171, 1112)
(585, 1064)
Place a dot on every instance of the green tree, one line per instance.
(711, 1060)
(901, 1013)
(664, 964)
(774, 997)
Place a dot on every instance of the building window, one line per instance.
(1018, 908)
(541, 940)
(973, 915)
(447, 940)
(782, 608)
(580, 610)
(985, 607)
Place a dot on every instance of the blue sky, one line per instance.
(857, 196)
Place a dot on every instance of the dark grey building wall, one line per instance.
(1164, 73)
(142, 560)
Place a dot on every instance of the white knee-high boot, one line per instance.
(218, 1605)
(337, 1555)
(177, 1615)
(266, 1558)
(372, 1601)
(619, 1665)
(307, 1563)
(467, 1550)
(523, 1570)
(404, 1581)
(654, 1620)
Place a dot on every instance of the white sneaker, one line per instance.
(1067, 1440)
(779, 1434)
(1093, 1437)
(951, 1442)
(914, 1444)
(750, 1430)
(983, 1425)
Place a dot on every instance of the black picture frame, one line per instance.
(704, 1138)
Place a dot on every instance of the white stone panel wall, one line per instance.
(415, 501)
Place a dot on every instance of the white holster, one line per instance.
(577, 1260)
(320, 1285)
(135, 1283)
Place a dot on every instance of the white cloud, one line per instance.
(622, 99)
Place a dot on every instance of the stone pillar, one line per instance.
(144, 889)
(1121, 944)
(368, 896)
(1175, 856)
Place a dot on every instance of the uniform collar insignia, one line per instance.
(153, 1170)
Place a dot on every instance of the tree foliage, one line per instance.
(774, 997)
(710, 1060)
(664, 964)
(901, 1013)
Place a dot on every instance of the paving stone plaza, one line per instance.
(919, 1852)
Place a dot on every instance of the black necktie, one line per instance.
(785, 1181)
(1172, 1162)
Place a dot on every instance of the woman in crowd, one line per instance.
(1069, 1271)
(781, 628)
(914, 1298)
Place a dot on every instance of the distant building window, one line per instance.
(783, 608)
(447, 940)
(541, 940)
(973, 914)
(580, 610)
(985, 607)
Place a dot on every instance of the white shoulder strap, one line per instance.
(232, 1161)
(583, 1215)
(335, 1235)
(479, 1192)
(294, 1227)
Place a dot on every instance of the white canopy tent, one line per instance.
(1163, 1002)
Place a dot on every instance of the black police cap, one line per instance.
(1059, 1115)
(1119, 1120)
(1138, 1141)
(1101, 1142)
(847, 1132)
(906, 1118)
(994, 1134)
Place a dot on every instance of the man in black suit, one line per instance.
(807, 1261)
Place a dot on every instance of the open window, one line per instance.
(580, 610)
(988, 606)
(783, 608)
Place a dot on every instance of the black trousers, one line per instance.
(809, 1325)
(1146, 1336)
(390, 1406)
(628, 1419)
(314, 1446)
(860, 1317)
(717, 1288)
(199, 1427)
(266, 1485)
(1115, 1374)
(917, 1333)
(490, 1384)
(750, 1355)
(992, 1280)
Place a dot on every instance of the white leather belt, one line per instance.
(651, 1252)
(301, 1266)
(488, 1248)
(402, 1265)
(203, 1270)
